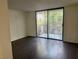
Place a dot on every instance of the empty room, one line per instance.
(39, 29)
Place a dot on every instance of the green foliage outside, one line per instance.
(54, 17)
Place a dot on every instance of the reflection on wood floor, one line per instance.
(40, 48)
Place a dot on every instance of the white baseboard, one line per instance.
(14, 39)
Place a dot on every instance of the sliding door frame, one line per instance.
(48, 21)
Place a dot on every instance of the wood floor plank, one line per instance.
(40, 48)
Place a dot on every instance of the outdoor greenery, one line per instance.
(54, 18)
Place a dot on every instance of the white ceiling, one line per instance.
(32, 5)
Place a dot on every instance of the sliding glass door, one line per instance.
(49, 23)
(55, 22)
(41, 18)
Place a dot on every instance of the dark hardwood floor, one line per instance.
(40, 48)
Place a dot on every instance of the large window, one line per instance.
(49, 23)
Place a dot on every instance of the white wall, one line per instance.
(70, 23)
(18, 24)
(5, 42)
(31, 25)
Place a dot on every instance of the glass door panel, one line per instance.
(41, 18)
(55, 21)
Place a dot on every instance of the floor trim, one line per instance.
(19, 39)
